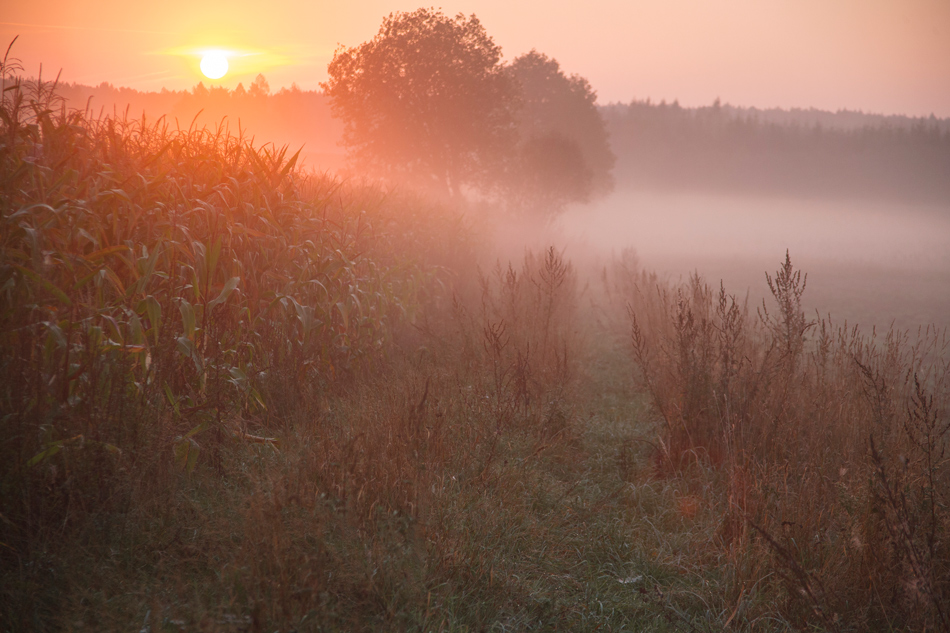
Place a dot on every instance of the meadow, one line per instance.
(237, 396)
(872, 263)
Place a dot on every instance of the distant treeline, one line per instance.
(290, 116)
(658, 145)
(788, 152)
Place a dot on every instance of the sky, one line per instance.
(879, 56)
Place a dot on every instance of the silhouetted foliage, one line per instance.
(426, 101)
(564, 152)
(549, 170)
(797, 152)
(288, 116)
(260, 87)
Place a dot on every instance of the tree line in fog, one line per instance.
(657, 145)
(793, 152)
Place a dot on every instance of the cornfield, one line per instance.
(239, 396)
(179, 275)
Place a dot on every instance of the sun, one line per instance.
(214, 64)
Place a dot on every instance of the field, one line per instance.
(235, 396)
(873, 263)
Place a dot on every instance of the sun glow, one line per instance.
(227, 62)
(214, 64)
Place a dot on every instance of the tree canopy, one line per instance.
(426, 100)
(563, 147)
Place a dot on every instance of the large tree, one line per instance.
(563, 153)
(426, 101)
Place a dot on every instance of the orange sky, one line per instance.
(886, 56)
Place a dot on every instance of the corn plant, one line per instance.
(167, 287)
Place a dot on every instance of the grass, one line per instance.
(832, 443)
(238, 397)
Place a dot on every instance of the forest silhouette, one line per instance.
(658, 145)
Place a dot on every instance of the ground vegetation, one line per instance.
(235, 396)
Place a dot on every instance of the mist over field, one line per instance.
(453, 344)
(860, 201)
(870, 263)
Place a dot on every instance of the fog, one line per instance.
(861, 202)
(870, 263)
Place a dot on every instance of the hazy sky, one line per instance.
(886, 56)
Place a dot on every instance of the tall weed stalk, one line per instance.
(833, 441)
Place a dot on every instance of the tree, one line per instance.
(259, 87)
(547, 171)
(426, 101)
(564, 152)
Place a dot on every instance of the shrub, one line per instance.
(834, 443)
